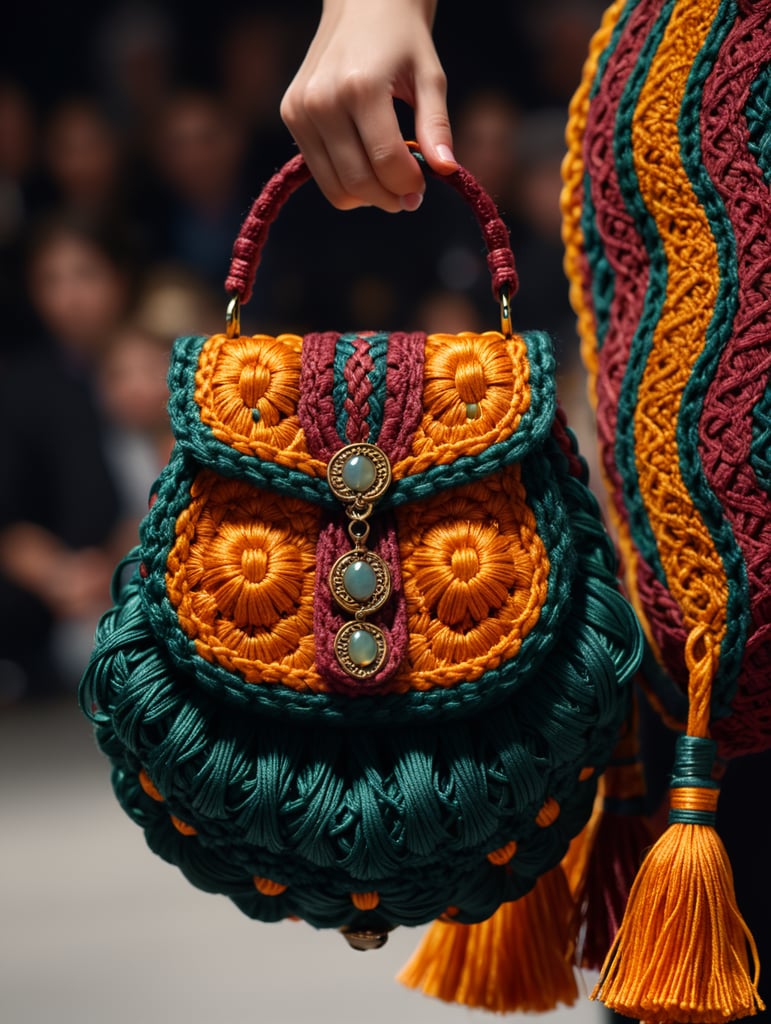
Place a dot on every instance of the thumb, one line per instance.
(432, 122)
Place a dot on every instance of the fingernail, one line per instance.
(446, 155)
(411, 201)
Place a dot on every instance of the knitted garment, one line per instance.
(667, 224)
(265, 763)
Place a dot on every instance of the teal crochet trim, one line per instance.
(197, 439)
(704, 370)
(760, 451)
(378, 350)
(625, 453)
(758, 114)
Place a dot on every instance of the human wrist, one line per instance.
(425, 8)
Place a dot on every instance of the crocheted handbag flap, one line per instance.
(447, 409)
(243, 543)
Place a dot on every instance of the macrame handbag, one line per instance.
(667, 222)
(372, 658)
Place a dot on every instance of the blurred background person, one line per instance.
(59, 508)
(199, 156)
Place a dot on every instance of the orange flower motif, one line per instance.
(241, 574)
(465, 571)
(247, 390)
(475, 579)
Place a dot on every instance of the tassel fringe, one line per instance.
(520, 959)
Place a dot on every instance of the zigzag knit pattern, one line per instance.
(667, 212)
(457, 773)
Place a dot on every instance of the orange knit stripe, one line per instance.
(572, 177)
(697, 582)
(365, 900)
(503, 854)
(586, 773)
(268, 887)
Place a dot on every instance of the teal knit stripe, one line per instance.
(603, 278)
(758, 114)
(198, 439)
(625, 451)
(718, 337)
(344, 350)
(760, 451)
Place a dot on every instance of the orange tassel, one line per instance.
(680, 954)
(518, 959)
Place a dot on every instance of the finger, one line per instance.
(432, 121)
(394, 167)
(346, 162)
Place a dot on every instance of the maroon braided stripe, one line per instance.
(356, 404)
(316, 408)
(725, 434)
(251, 238)
(403, 407)
(254, 231)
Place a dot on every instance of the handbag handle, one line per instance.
(248, 246)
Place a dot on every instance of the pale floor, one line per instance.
(96, 930)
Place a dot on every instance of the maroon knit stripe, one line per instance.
(745, 363)
(621, 242)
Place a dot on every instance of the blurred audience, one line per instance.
(126, 197)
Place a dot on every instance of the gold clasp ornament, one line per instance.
(358, 475)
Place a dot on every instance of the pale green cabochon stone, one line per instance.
(359, 580)
(362, 648)
(359, 473)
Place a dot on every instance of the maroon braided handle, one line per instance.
(251, 238)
